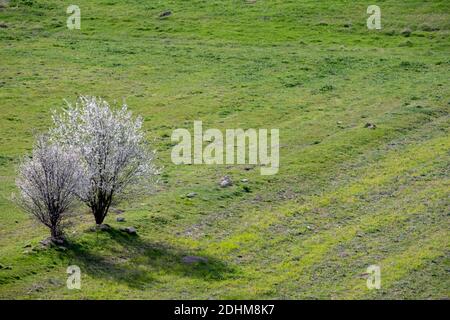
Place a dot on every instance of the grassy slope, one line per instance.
(345, 197)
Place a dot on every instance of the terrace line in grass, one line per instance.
(213, 152)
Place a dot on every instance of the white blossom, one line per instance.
(114, 155)
(47, 182)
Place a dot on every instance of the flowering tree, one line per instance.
(115, 158)
(47, 182)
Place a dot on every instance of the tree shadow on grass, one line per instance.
(135, 261)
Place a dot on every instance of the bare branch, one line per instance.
(48, 182)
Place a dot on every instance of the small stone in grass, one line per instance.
(58, 242)
(120, 219)
(406, 32)
(165, 14)
(104, 227)
(129, 230)
(36, 288)
(370, 125)
(46, 242)
(225, 182)
(191, 194)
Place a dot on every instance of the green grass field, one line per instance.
(345, 196)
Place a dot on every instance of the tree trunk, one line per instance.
(100, 209)
(98, 217)
(55, 233)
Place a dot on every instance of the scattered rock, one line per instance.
(104, 227)
(51, 241)
(244, 180)
(120, 219)
(129, 230)
(3, 25)
(117, 211)
(36, 288)
(406, 32)
(100, 227)
(46, 242)
(165, 14)
(58, 242)
(191, 194)
(225, 182)
(370, 125)
(194, 259)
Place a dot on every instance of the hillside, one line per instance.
(346, 195)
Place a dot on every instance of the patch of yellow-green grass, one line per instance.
(303, 255)
(345, 196)
(393, 268)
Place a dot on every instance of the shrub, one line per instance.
(48, 182)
